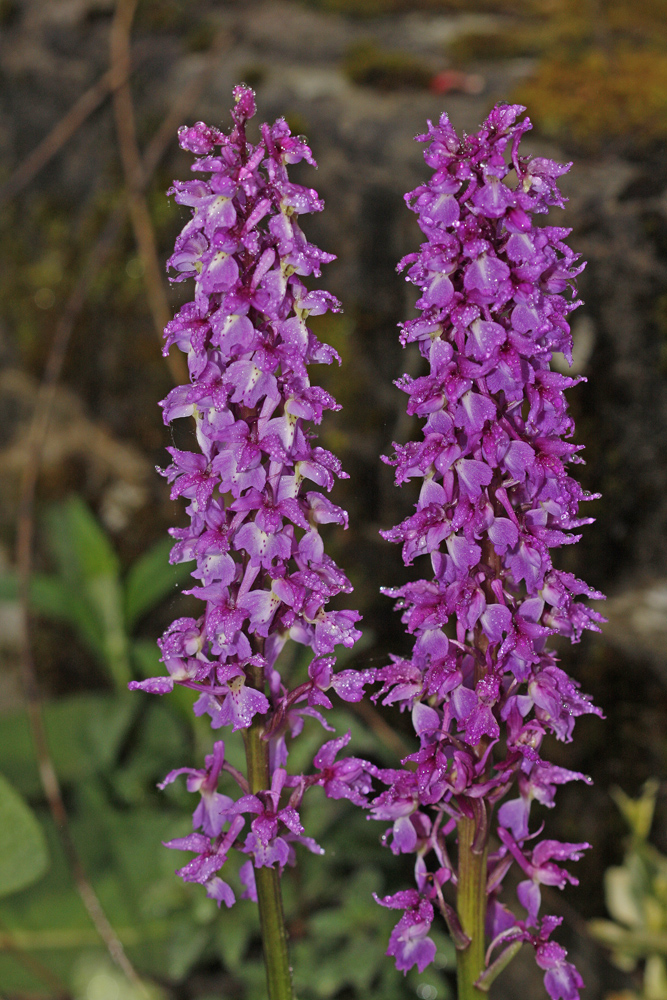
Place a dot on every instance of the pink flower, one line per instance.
(253, 536)
(495, 290)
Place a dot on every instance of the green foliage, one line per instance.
(169, 928)
(96, 978)
(121, 852)
(85, 733)
(369, 65)
(88, 591)
(23, 853)
(150, 580)
(110, 750)
(636, 896)
(354, 961)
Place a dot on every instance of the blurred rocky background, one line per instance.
(360, 78)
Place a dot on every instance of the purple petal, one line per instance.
(220, 891)
(154, 685)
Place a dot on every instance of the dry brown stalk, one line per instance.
(59, 135)
(188, 96)
(142, 226)
(25, 529)
(24, 545)
(382, 730)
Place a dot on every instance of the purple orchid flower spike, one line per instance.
(482, 686)
(253, 498)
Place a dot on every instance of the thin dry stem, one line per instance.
(380, 728)
(24, 544)
(25, 529)
(222, 42)
(59, 135)
(142, 226)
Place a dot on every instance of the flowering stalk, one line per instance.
(495, 498)
(253, 534)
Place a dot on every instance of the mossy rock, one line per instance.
(619, 95)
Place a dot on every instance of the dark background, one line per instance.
(360, 79)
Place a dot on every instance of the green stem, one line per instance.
(471, 901)
(269, 898)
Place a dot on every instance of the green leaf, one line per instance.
(146, 660)
(96, 978)
(78, 543)
(48, 919)
(233, 936)
(623, 896)
(84, 733)
(150, 580)
(9, 587)
(82, 604)
(106, 597)
(49, 595)
(635, 943)
(23, 854)
(145, 655)
(159, 745)
(90, 570)
(638, 813)
(187, 946)
(51, 599)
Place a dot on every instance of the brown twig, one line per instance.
(25, 530)
(59, 135)
(382, 730)
(142, 226)
(24, 544)
(188, 96)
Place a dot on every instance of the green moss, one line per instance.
(602, 74)
(487, 46)
(370, 66)
(601, 95)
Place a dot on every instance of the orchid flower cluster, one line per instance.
(260, 568)
(495, 498)
(482, 687)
